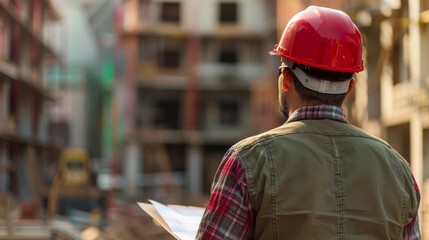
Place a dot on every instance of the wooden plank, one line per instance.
(19, 229)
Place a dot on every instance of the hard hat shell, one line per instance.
(322, 38)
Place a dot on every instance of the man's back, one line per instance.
(321, 179)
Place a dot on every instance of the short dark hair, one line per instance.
(314, 97)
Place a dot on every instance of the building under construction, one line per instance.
(24, 141)
(193, 71)
(27, 154)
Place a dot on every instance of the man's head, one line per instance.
(320, 49)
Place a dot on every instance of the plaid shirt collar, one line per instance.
(318, 112)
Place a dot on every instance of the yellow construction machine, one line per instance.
(73, 187)
(75, 169)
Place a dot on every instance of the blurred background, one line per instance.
(104, 103)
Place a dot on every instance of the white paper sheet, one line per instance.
(182, 221)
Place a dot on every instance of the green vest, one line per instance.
(321, 179)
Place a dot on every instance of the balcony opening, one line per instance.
(170, 12)
(228, 12)
(158, 109)
(166, 114)
(229, 113)
(169, 59)
(228, 56)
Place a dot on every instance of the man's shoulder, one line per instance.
(258, 141)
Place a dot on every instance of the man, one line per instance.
(316, 176)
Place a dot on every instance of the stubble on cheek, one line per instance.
(283, 105)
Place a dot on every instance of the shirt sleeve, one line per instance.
(412, 229)
(229, 213)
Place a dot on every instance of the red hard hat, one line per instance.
(322, 38)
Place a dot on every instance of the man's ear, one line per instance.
(351, 85)
(286, 81)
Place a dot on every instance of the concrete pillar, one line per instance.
(415, 41)
(386, 82)
(416, 155)
(426, 154)
(132, 168)
(416, 127)
(416, 141)
(194, 166)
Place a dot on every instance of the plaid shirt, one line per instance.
(230, 214)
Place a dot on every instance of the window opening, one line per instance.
(228, 56)
(170, 12)
(228, 12)
(229, 113)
